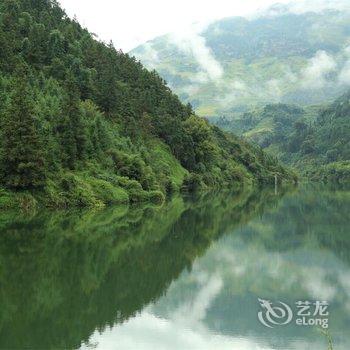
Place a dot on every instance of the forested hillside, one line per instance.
(83, 124)
(315, 139)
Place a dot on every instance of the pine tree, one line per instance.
(108, 92)
(23, 164)
(71, 129)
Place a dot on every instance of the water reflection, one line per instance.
(183, 276)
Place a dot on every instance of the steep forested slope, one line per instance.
(314, 139)
(84, 124)
(275, 56)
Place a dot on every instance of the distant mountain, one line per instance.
(316, 139)
(278, 56)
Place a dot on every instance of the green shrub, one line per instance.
(14, 200)
(156, 197)
(192, 182)
(7, 200)
(78, 192)
(107, 193)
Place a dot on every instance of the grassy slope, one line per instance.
(162, 157)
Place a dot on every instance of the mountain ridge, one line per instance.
(236, 62)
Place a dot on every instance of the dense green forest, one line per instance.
(316, 139)
(84, 124)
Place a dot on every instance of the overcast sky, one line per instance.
(130, 23)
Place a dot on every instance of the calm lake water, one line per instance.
(188, 275)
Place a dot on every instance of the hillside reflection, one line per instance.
(64, 275)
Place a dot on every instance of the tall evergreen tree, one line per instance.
(23, 165)
(71, 129)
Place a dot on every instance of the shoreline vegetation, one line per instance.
(85, 125)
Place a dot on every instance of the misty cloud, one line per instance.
(344, 75)
(150, 56)
(274, 88)
(323, 70)
(314, 76)
(232, 91)
(317, 73)
(318, 5)
(191, 43)
(190, 89)
(320, 71)
(299, 7)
